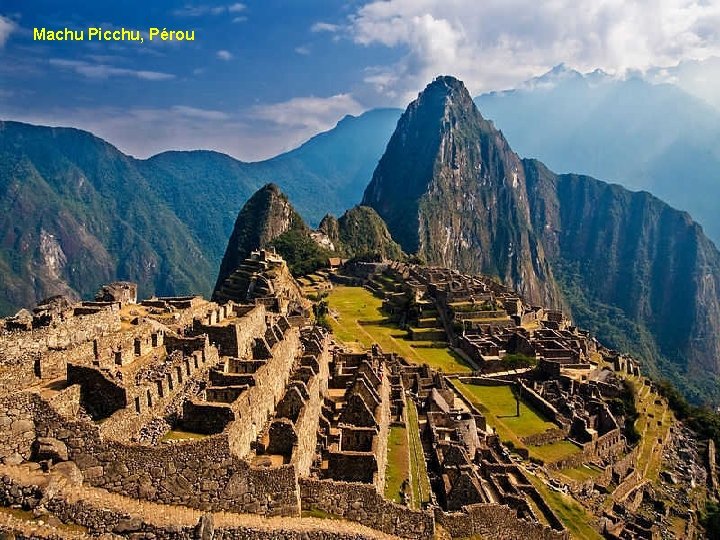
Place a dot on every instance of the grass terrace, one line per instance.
(572, 514)
(358, 321)
(498, 405)
(419, 481)
(398, 463)
(582, 473)
(179, 435)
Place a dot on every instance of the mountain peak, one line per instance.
(265, 216)
(450, 189)
(444, 92)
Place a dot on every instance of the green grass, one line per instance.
(498, 402)
(420, 483)
(552, 452)
(581, 473)
(360, 321)
(178, 435)
(575, 518)
(499, 406)
(398, 463)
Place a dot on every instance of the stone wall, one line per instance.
(494, 521)
(99, 518)
(256, 405)
(17, 427)
(546, 437)
(362, 503)
(383, 432)
(100, 395)
(16, 346)
(540, 404)
(201, 474)
(155, 392)
(307, 424)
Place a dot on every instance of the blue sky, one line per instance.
(262, 76)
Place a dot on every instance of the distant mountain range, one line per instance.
(651, 137)
(77, 212)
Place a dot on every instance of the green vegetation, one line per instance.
(625, 406)
(420, 483)
(568, 510)
(499, 405)
(360, 320)
(302, 254)
(397, 471)
(363, 232)
(179, 435)
(700, 419)
(616, 329)
(320, 311)
(555, 451)
(710, 519)
(581, 473)
(653, 424)
(519, 361)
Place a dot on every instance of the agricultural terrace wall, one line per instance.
(254, 407)
(494, 521)
(362, 503)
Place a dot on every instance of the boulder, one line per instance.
(69, 470)
(45, 448)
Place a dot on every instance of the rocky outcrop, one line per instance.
(361, 231)
(265, 216)
(451, 190)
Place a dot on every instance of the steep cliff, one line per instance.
(629, 250)
(451, 190)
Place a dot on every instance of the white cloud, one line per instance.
(143, 132)
(190, 10)
(699, 78)
(324, 27)
(224, 55)
(302, 50)
(307, 115)
(7, 26)
(240, 19)
(204, 114)
(104, 71)
(497, 44)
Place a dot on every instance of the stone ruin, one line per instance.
(239, 406)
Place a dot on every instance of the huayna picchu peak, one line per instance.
(451, 190)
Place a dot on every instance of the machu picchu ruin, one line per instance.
(243, 417)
